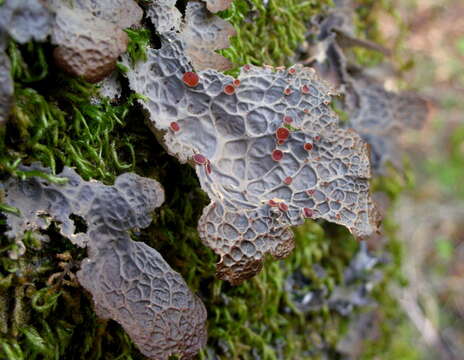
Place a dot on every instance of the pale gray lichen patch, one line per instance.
(110, 87)
(201, 32)
(164, 15)
(25, 20)
(204, 34)
(231, 127)
(129, 281)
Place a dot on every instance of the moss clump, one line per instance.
(269, 32)
(59, 121)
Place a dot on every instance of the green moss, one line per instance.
(258, 317)
(268, 33)
(139, 39)
(44, 314)
(367, 27)
(55, 120)
(446, 166)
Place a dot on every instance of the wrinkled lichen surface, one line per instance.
(267, 148)
(256, 196)
(129, 281)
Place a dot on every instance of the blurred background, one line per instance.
(430, 214)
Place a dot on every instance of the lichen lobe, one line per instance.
(235, 131)
(90, 36)
(132, 284)
(129, 281)
(380, 116)
(25, 20)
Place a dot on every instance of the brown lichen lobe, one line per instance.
(218, 5)
(90, 35)
(122, 13)
(129, 281)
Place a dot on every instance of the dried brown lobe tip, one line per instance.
(90, 36)
(218, 5)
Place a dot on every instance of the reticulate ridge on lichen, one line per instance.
(129, 281)
(267, 150)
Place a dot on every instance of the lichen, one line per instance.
(6, 87)
(203, 35)
(217, 5)
(269, 155)
(380, 116)
(25, 20)
(90, 38)
(63, 126)
(129, 281)
(328, 40)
